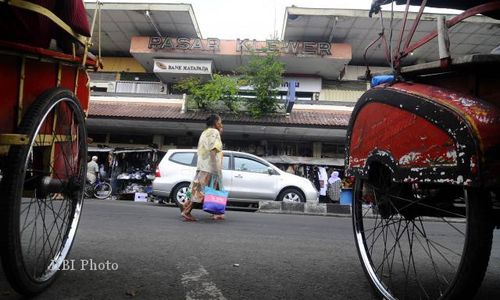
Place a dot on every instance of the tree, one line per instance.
(264, 74)
(207, 95)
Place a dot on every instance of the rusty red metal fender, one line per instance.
(425, 134)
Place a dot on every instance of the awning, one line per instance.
(99, 149)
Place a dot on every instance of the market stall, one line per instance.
(133, 171)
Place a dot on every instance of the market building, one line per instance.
(147, 48)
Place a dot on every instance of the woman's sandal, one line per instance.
(188, 217)
(218, 217)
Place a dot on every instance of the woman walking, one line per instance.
(208, 167)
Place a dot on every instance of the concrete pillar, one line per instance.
(317, 149)
(158, 140)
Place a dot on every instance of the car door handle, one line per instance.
(238, 176)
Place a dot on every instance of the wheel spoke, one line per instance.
(412, 249)
(48, 193)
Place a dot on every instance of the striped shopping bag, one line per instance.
(215, 200)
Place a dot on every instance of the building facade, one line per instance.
(148, 48)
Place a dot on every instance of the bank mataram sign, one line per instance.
(179, 66)
(241, 45)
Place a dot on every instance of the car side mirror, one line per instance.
(270, 171)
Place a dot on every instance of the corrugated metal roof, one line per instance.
(172, 112)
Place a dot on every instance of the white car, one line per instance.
(248, 178)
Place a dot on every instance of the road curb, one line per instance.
(308, 208)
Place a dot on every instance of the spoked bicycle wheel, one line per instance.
(102, 190)
(88, 190)
(43, 191)
(421, 242)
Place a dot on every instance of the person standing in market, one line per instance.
(323, 184)
(334, 187)
(208, 167)
(92, 170)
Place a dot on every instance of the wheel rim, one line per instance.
(102, 190)
(410, 247)
(51, 191)
(181, 195)
(291, 197)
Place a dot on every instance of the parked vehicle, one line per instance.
(248, 178)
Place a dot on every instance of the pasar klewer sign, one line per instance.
(288, 47)
(181, 43)
(241, 45)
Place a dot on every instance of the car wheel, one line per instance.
(179, 195)
(291, 195)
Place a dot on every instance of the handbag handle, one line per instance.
(212, 182)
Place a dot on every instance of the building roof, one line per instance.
(478, 34)
(172, 112)
(162, 118)
(121, 21)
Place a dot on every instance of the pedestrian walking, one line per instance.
(334, 187)
(208, 167)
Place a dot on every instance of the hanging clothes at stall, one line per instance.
(323, 183)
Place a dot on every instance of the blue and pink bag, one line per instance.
(215, 200)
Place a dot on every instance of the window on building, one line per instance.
(138, 77)
(102, 76)
(329, 150)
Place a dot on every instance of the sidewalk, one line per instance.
(322, 209)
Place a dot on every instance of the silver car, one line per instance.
(248, 179)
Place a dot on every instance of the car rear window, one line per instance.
(185, 158)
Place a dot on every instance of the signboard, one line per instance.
(290, 96)
(245, 46)
(179, 66)
(302, 84)
(285, 47)
(182, 43)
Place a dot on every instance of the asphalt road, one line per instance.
(148, 252)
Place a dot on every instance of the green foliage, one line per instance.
(207, 95)
(265, 74)
(223, 88)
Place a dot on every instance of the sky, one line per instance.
(253, 19)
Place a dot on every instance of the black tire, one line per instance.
(179, 194)
(102, 190)
(44, 187)
(88, 191)
(291, 195)
(414, 243)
